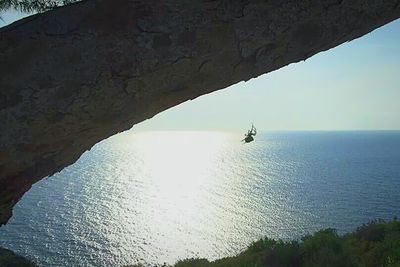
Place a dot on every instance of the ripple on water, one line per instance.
(163, 196)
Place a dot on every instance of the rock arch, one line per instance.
(83, 72)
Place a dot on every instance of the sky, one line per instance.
(355, 86)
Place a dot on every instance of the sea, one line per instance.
(157, 197)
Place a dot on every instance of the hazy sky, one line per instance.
(355, 86)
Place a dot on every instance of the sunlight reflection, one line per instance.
(155, 197)
(178, 171)
(179, 167)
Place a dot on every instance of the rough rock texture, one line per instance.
(81, 73)
(10, 259)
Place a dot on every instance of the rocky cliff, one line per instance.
(10, 259)
(81, 73)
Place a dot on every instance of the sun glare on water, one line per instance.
(166, 178)
(179, 166)
(155, 197)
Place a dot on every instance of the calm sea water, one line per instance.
(161, 196)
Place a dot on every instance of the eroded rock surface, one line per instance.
(81, 73)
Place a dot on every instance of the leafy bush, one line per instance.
(374, 244)
(32, 5)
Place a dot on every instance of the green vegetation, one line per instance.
(372, 245)
(32, 5)
(9, 259)
(376, 244)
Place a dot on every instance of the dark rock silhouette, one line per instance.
(81, 73)
(10, 259)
